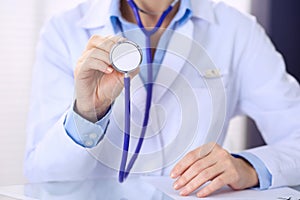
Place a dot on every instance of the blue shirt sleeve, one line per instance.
(84, 132)
(264, 176)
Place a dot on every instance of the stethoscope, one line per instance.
(126, 56)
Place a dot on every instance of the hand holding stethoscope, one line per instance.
(97, 84)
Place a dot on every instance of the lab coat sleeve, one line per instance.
(270, 96)
(84, 132)
(50, 153)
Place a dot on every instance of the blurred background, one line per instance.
(20, 24)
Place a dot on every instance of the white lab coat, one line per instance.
(252, 72)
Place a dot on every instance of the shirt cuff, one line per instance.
(84, 132)
(264, 176)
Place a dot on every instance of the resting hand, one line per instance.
(212, 163)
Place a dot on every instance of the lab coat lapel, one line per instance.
(105, 30)
(172, 60)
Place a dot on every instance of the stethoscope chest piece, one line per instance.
(126, 56)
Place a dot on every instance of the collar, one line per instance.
(99, 12)
(204, 9)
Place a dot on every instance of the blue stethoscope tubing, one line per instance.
(124, 171)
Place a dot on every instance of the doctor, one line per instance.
(73, 136)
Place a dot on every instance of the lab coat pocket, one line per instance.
(209, 79)
(211, 89)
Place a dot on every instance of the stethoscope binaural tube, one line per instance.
(124, 171)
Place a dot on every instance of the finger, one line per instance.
(134, 72)
(185, 163)
(190, 158)
(87, 60)
(194, 170)
(100, 55)
(104, 43)
(213, 186)
(96, 64)
(109, 42)
(203, 177)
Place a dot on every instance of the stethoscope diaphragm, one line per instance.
(126, 56)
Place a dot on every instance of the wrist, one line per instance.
(251, 174)
(90, 113)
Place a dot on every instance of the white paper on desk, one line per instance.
(14, 191)
(164, 184)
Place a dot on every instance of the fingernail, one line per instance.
(109, 70)
(200, 194)
(121, 39)
(176, 186)
(172, 175)
(183, 192)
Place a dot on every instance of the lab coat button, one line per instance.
(93, 136)
(89, 143)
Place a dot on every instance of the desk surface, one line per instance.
(158, 188)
